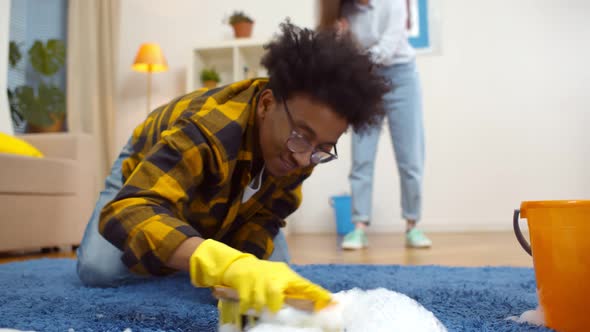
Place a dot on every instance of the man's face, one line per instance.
(313, 128)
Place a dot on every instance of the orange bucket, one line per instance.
(560, 241)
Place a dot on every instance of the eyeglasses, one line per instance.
(297, 143)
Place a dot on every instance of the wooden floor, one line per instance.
(453, 249)
(7, 257)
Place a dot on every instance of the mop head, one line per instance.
(377, 310)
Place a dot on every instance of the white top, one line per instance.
(380, 28)
(253, 187)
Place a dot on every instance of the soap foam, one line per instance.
(378, 310)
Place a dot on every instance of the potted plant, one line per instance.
(14, 56)
(210, 78)
(242, 24)
(41, 105)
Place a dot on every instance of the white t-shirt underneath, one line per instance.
(253, 187)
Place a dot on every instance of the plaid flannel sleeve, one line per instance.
(145, 219)
(256, 235)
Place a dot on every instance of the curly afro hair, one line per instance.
(330, 68)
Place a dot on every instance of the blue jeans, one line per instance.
(99, 262)
(404, 115)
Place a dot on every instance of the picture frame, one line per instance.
(420, 25)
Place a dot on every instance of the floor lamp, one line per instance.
(149, 59)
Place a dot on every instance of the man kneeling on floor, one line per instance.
(205, 182)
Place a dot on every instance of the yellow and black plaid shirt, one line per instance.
(191, 162)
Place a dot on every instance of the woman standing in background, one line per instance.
(380, 28)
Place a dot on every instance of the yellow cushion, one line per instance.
(15, 145)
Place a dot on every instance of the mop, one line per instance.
(355, 310)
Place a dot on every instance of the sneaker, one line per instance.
(415, 238)
(356, 239)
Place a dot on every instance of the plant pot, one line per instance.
(56, 127)
(210, 84)
(243, 29)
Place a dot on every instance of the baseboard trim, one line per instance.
(427, 227)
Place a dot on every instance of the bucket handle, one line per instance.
(523, 242)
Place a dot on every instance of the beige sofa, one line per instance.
(46, 202)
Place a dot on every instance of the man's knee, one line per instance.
(96, 273)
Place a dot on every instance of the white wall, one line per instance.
(506, 104)
(5, 120)
(178, 26)
(507, 115)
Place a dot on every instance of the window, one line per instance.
(37, 79)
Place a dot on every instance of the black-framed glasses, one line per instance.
(297, 143)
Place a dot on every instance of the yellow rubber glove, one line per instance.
(260, 284)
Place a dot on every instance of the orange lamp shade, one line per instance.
(150, 58)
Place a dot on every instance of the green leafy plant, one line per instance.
(239, 16)
(210, 75)
(47, 59)
(14, 55)
(43, 103)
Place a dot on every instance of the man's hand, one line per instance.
(260, 284)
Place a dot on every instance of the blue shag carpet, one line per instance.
(46, 295)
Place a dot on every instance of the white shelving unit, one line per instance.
(234, 60)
